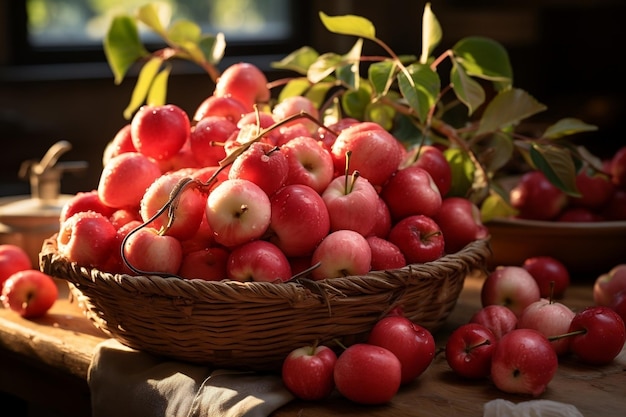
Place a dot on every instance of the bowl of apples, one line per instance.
(586, 232)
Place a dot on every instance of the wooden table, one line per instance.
(46, 361)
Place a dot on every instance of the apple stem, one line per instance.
(569, 334)
(485, 342)
(340, 344)
(551, 297)
(348, 156)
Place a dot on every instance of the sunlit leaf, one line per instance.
(317, 93)
(144, 81)
(183, 31)
(467, 90)
(557, 164)
(380, 113)
(494, 207)
(420, 88)
(323, 66)
(295, 87)
(507, 109)
(299, 60)
(484, 58)
(566, 127)
(213, 47)
(381, 75)
(157, 95)
(122, 46)
(148, 14)
(431, 33)
(349, 25)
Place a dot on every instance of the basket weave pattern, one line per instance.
(254, 325)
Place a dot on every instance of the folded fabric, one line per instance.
(532, 408)
(127, 382)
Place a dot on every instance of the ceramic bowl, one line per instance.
(586, 249)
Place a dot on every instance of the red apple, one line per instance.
(159, 132)
(299, 220)
(258, 260)
(226, 106)
(551, 275)
(412, 344)
(238, 211)
(619, 304)
(602, 335)
(616, 207)
(342, 253)
(595, 189)
(523, 362)
(30, 293)
(497, 318)
(469, 350)
(385, 255)
(376, 154)
(244, 82)
(608, 284)
(122, 142)
(328, 134)
(207, 138)
(511, 286)
(307, 372)
(264, 165)
(460, 223)
(367, 374)
(12, 259)
(84, 201)
(87, 238)
(125, 178)
(419, 238)
(309, 163)
(411, 191)
(295, 105)
(148, 251)
(187, 209)
(618, 167)
(536, 198)
(352, 204)
(208, 264)
(578, 215)
(434, 161)
(551, 319)
(382, 225)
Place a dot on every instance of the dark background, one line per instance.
(568, 54)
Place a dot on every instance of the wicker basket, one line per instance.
(255, 325)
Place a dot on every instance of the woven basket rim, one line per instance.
(54, 263)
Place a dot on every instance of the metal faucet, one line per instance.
(45, 175)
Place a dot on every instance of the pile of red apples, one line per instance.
(263, 194)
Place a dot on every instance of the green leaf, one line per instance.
(144, 81)
(295, 87)
(380, 113)
(566, 127)
(349, 74)
(213, 47)
(183, 31)
(484, 58)
(323, 66)
(148, 14)
(349, 25)
(317, 93)
(381, 76)
(467, 90)
(557, 164)
(299, 60)
(122, 46)
(462, 172)
(420, 88)
(431, 33)
(157, 95)
(507, 109)
(494, 206)
(496, 151)
(354, 102)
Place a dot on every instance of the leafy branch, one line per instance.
(407, 95)
(184, 40)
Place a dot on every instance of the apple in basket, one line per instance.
(309, 163)
(411, 191)
(245, 83)
(207, 139)
(342, 253)
(352, 202)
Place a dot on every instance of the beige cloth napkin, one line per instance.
(126, 382)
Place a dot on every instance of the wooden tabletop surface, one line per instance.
(62, 342)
